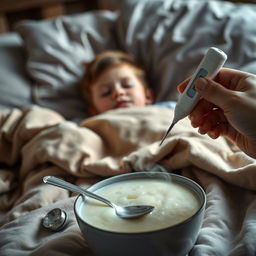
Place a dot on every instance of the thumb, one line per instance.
(213, 92)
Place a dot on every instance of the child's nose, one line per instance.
(118, 90)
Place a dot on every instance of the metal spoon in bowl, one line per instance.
(126, 212)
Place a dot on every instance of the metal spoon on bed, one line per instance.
(126, 212)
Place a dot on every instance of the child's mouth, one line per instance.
(123, 104)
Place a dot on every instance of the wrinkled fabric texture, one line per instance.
(167, 37)
(36, 142)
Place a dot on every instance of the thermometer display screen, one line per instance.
(191, 90)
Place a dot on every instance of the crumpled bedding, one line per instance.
(36, 142)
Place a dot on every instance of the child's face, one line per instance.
(119, 87)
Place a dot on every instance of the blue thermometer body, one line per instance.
(210, 65)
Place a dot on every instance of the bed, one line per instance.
(46, 130)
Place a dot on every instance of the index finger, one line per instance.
(230, 78)
(227, 77)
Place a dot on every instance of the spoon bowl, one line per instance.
(125, 212)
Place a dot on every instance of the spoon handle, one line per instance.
(66, 185)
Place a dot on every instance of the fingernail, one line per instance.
(201, 84)
(191, 117)
(212, 134)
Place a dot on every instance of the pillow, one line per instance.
(55, 50)
(170, 37)
(15, 85)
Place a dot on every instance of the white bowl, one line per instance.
(176, 240)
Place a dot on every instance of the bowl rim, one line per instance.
(140, 174)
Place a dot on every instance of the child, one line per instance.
(114, 80)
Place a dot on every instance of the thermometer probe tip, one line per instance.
(163, 139)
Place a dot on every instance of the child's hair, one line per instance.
(101, 63)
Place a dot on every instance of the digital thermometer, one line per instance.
(210, 65)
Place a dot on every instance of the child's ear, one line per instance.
(149, 96)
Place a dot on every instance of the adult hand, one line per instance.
(227, 108)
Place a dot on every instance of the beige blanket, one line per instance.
(37, 142)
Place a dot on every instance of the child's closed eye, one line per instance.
(105, 92)
(127, 83)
